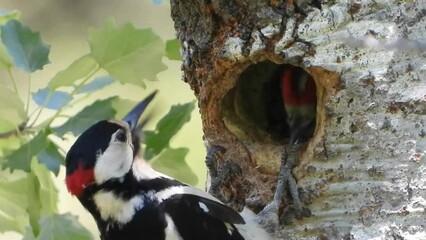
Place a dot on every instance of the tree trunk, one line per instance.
(363, 173)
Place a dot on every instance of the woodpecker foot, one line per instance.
(269, 216)
(291, 213)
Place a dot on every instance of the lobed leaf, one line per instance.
(8, 144)
(173, 49)
(51, 158)
(25, 46)
(48, 193)
(7, 15)
(172, 162)
(12, 110)
(21, 158)
(166, 128)
(34, 205)
(13, 203)
(79, 69)
(5, 60)
(62, 226)
(96, 84)
(99, 110)
(126, 53)
(123, 106)
(42, 198)
(51, 99)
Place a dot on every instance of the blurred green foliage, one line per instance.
(29, 148)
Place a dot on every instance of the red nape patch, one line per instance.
(306, 96)
(79, 179)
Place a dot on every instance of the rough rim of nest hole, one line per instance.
(253, 109)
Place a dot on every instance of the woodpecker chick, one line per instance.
(299, 98)
(130, 200)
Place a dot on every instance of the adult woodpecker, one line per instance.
(299, 97)
(130, 200)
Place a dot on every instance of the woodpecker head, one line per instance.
(105, 150)
(299, 97)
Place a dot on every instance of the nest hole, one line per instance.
(253, 110)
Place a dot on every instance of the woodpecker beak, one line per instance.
(133, 116)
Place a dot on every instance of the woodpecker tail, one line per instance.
(252, 230)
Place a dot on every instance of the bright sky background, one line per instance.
(64, 24)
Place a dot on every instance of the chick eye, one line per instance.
(121, 136)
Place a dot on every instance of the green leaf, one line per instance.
(123, 106)
(29, 235)
(6, 127)
(51, 99)
(12, 110)
(99, 110)
(8, 144)
(62, 226)
(79, 69)
(42, 194)
(172, 162)
(25, 46)
(51, 158)
(13, 203)
(6, 15)
(173, 49)
(166, 128)
(126, 53)
(21, 158)
(5, 60)
(48, 192)
(34, 206)
(96, 84)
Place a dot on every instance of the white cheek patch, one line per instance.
(117, 209)
(115, 162)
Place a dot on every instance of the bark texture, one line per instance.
(363, 173)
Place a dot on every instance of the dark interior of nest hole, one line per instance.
(254, 108)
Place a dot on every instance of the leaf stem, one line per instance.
(73, 92)
(16, 132)
(28, 94)
(9, 70)
(88, 77)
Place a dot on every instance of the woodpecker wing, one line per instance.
(198, 201)
(170, 191)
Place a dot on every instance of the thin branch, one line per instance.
(14, 132)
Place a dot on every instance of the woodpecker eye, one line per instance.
(121, 136)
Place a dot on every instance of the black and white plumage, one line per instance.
(130, 200)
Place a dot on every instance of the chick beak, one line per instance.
(133, 116)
